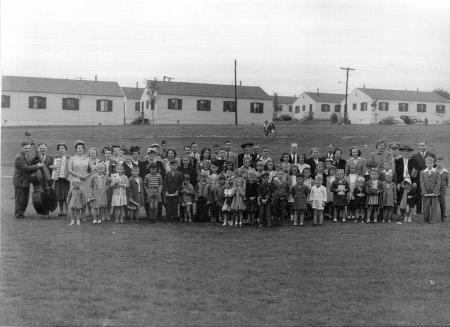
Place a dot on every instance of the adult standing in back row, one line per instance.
(22, 179)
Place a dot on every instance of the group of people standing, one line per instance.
(251, 188)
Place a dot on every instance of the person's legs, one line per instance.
(22, 195)
(320, 217)
(426, 209)
(443, 207)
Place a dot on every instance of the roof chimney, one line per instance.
(95, 77)
(137, 84)
(417, 89)
(317, 93)
(240, 83)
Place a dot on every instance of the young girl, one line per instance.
(153, 188)
(119, 184)
(205, 167)
(270, 168)
(187, 194)
(317, 199)
(284, 162)
(301, 163)
(213, 181)
(99, 194)
(251, 196)
(351, 179)
(61, 175)
(76, 201)
(292, 181)
(228, 194)
(444, 184)
(238, 204)
(430, 185)
(259, 168)
(328, 212)
(360, 199)
(229, 170)
(320, 171)
(340, 188)
(407, 196)
(389, 197)
(135, 195)
(300, 194)
(374, 188)
(173, 181)
(219, 195)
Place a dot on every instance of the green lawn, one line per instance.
(174, 274)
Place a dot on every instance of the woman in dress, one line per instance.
(171, 154)
(78, 168)
(61, 175)
(378, 157)
(355, 158)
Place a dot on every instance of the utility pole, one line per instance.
(168, 78)
(235, 94)
(346, 94)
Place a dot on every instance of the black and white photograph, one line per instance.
(224, 163)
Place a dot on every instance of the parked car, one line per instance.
(391, 121)
(410, 120)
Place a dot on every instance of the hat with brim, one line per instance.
(248, 144)
(155, 145)
(394, 145)
(382, 141)
(405, 148)
(151, 150)
(79, 142)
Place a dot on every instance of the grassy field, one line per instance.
(204, 274)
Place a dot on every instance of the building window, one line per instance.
(403, 107)
(383, 106)
(297, 109)
(228, 106)
(337, 108)
(174, 104)
(355, 106)
(440, 109)
(70, 104)
(203, 105)
(37, 102)
(256, 107)
(325, 108)
(290, 108)
(104, 105)
(421, 107)
(303, 108)
(6, 101)
(363, 106)
(137, 106)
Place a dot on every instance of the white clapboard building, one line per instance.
(369, 106)
(285, 105)
(52, 101)
(134, 107)
(318, 105)
(200, 103)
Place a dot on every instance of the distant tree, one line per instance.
(442, 93)
(275, 106)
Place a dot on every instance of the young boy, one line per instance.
(280, 194)
(359, 194)
(173, 182)
(135, 194)
(430, 185)
(444, 184)
(318, 198)
(201, 191)
(340, 188)
(219, 194)
(153, 188)
(187, 194)
(264, 197)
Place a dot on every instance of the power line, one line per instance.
(346, 94)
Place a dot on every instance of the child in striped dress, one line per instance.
(99, 194)
(374, 188)
(389, 197)
(238, 204)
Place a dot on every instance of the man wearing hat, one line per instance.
(419, 164)
(23, 168)
(404, 167)
(246, 147)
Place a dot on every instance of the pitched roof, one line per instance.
(326, 97)
(211, 90)
(285, 99)
(60, 86)
(133, 92)
(399, 95)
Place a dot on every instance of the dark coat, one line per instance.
(23, 170)
(419, 161)
(312, 164)
(399, 166)
(240, 160)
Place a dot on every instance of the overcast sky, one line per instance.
(283, 46)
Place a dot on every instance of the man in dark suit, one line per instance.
(330, 153)
(404, 167)
(230, 155)
(23, 168)
(293, 156)
(246, 147)
(313, 161)
(418, 160)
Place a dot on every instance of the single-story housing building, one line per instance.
(53, 101)
(200, 103)
(285, 105)
(369, 106)
(318, 105)
(134, 107)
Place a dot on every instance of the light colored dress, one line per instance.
(79, 165)
(119, 196)
(99, 191)
(238, 199)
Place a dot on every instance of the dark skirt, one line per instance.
(62, 187)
